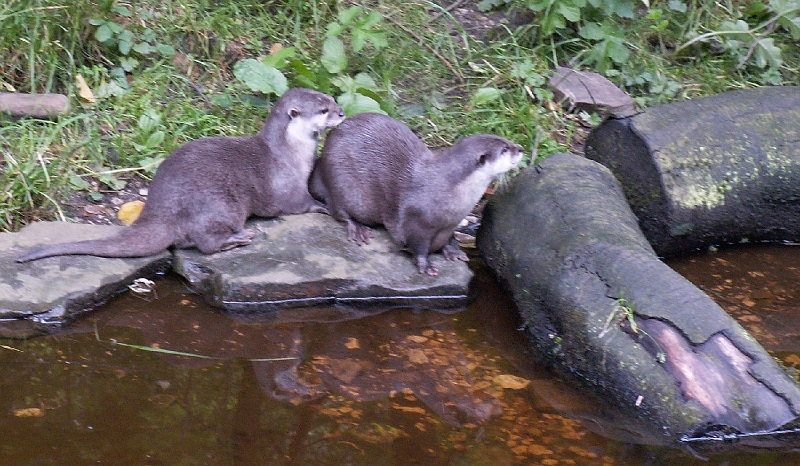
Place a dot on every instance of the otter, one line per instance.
(203, 192)
(374, 171)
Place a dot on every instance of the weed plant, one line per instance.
(160, 73)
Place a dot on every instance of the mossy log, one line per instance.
(716, 170)
(605, 313)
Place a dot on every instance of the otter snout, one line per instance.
(335, 116)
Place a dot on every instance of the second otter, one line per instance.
(204, 191)
(375, 171)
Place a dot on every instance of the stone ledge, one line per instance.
(275, 271)
(294, 261)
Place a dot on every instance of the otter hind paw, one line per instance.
(359, 233)
(454, 253)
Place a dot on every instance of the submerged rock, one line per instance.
(52, 291)
(721, 169)
(607, 315)
(294, 261)
(302, 260)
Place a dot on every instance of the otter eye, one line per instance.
(323, 111)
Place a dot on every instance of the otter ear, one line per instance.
(482, 159)
(293, 112)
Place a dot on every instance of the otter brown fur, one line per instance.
(204, 191)
(375, 171)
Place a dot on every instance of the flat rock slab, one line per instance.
(591, 92)
(51, 291)
(296, 261)
(305, 260)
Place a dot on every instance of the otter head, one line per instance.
(306, 113)
(489, 155)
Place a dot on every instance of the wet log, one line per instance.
(42, 106)
(716, 170)
(602, 311)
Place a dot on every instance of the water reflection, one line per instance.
(398, 387)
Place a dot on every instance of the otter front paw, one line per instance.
(424, 265)
(240, 238)
(359, 233)
(454, 253)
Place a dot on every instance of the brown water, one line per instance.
(402, 387)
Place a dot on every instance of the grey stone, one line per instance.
(591, 92)
(34, 105)
(564, 241)
(295, 261)
(54, 290)
(716, 170)
(304, 260)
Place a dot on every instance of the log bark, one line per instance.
(722, 169)
(605, 313)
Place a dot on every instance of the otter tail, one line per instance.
(137, 240)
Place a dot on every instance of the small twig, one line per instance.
(452, 6)
(199, 90)
(536, 142)
(458, 76)
(752, 48)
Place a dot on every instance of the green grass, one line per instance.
(166, 99)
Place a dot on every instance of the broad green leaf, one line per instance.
(125, 47)
(334, 29)
(345, 83)
(260, 77)
(149, 120)
(767, 53)
(148, 35)
(144, 48)
(570, 13)
(347, 16)
(486, 5)
(305, 77)
(112, 181)
(353, 102)
(617, 51)
(365, 80)
(552, 23)
(78, 183)
(121, 10)
(103, 33)
(539, 5)
(155, 139)
(128, 63)
(621, 8)
(334, 57)
(791, 25)
(369, 21)
(592, 31)
(279, 59)
(677, 5)
(165, 50)
(485, 94)
(360, 37)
